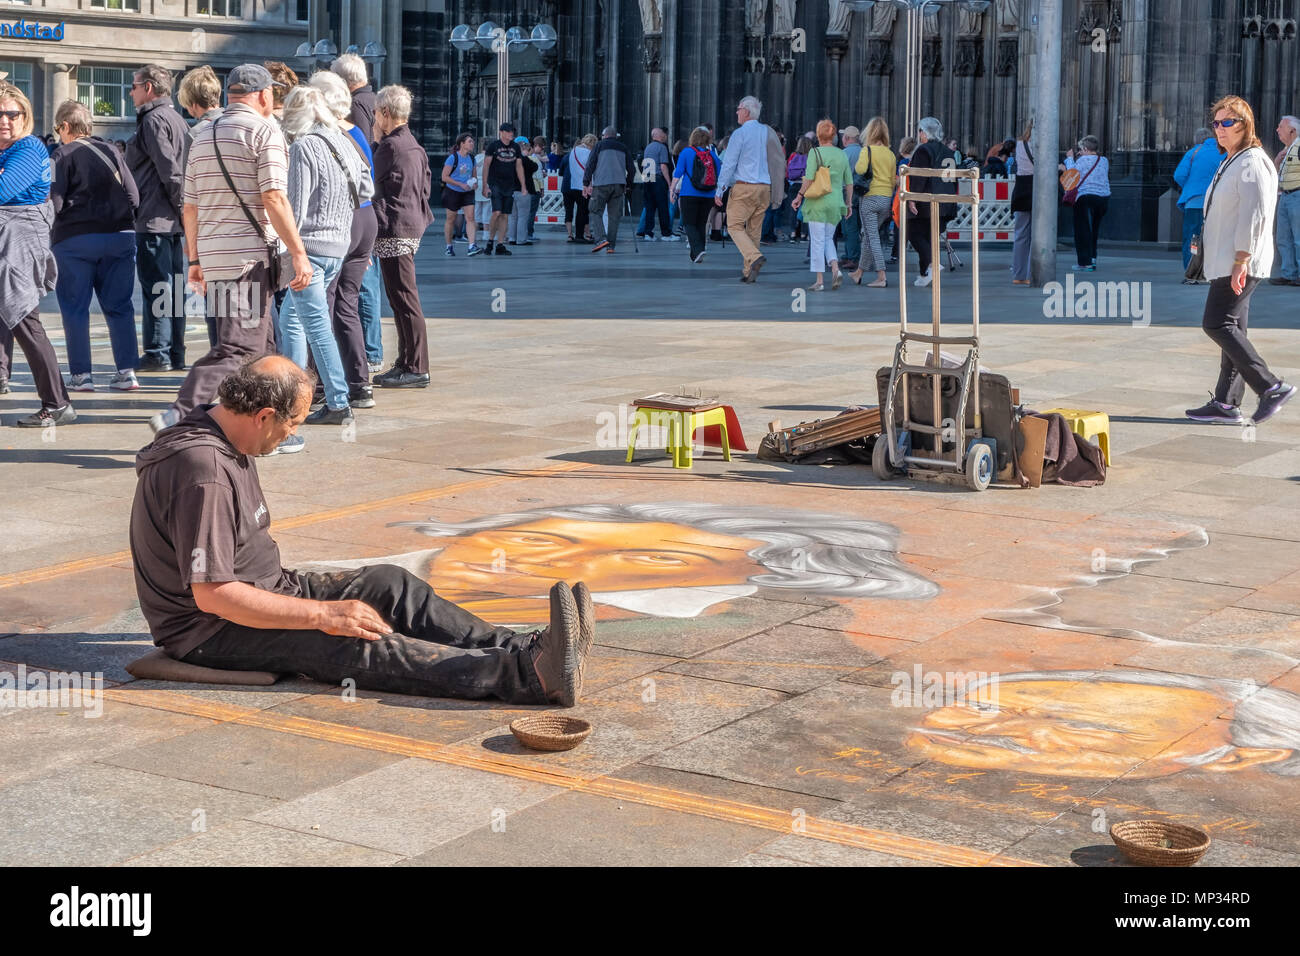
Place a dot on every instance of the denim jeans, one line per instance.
(1192, 221)
(305, 320)
(1022, 246)
(160, 261)
(368, 306)
(436, 649)
(1288, 234)
(101, 264)
(853, 235)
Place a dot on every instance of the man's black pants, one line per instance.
(437, 649)
(1226, 317)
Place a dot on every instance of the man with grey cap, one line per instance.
(236, 204)
(609, 175)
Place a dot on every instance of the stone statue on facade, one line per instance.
(1008, 15)
(652, 16)
(841, 19)
(755, 17)
(782, 18)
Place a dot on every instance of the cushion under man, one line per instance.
(213, 591)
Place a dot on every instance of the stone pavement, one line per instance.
(778, 646)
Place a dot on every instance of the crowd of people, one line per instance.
(277, 216)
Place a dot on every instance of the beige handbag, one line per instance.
(821, 183)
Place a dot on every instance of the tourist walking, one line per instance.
(458, 184)
(327, 183)
(747, 181)
(795, 167)
(694, 181)
(1022, 209)
(931, 153)
(1237, 250)
(199, 94)
(402, 210)
(1288, 202)
(573, 167)
(344, 294)
(517, 228)
(876, 176)
(27, 267)
(1093, 197)
(156, 157)
(537, 183)
(851, 143)
(656, 187)
(1193, 176)
(93, 241)
(503, 176)
(823, 211)
(606, 181)
(235, 195)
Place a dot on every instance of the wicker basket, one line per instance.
(1153, 843)
(550, 731)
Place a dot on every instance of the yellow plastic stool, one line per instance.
(681, 430)
(1086, 425)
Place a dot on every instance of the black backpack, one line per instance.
(704, 172)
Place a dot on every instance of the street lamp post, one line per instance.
(323, 53)
(502, 42)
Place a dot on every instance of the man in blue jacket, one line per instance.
(1193, 176)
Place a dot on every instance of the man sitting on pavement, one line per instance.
(214, 593)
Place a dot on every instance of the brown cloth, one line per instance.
(1071, 460)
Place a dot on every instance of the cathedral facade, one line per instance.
(1138, 74)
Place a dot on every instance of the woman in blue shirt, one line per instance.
(27, 269)
(458, 184)
(1194, 173)
(696, 202)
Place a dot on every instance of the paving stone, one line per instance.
(253, 760)
(409, 807)
(586, 830)
(689, 637)
(247, 843)
(95, 815)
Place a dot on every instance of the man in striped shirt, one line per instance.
(228, 254)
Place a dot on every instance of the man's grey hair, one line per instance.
(1200, 136)
(156, 76)
(1293, 122)
(395, 101)
(335, 91)
(248, 389)
(754, 105)
(802, 550)
(1262, 717)
(305, 109)
(77, 116)
(932, 128)
(608, 131)
(352, 69)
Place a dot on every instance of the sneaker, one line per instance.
(393, 372)
(670, 238)
(81, 382)
(923, 281)
(474, 250)
(586, 625)
(648, 237)
(4, 385)
(51, 416)
(363, 396)
(1271, 402)
(164, 419)
(376, 367)
(292, 444)
(449, 251)
(502, 250)
(699, 257)
(609, 249)
(330, 416)
(1088, 268)
(600, 245)
(405, 380)
(124, 380)
(152, 363)
(554, 651)
(1215, 412)
(488, 247)
(756, 268)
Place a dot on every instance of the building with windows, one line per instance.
(54, 50)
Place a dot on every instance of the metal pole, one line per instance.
(1046, 139)
(503, 83)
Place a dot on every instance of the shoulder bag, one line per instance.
(862, 184)
(277, 276)
(821, 183)
(1196, 265)
(1072, 192)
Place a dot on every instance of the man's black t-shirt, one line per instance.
(199, 515)
(502, 174)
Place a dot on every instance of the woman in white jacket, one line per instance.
(1237, 245)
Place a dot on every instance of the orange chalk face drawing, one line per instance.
(1109, 724)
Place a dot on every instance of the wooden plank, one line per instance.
(1034, 432)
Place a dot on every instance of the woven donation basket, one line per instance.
(1154, 843)
(550, 731)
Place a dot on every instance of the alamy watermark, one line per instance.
(1098, 300)
(934, 689)
(64, 690)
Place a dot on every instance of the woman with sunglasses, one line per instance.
(1237, 252)
(27, 268)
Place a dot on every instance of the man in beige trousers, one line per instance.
(747, 173)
